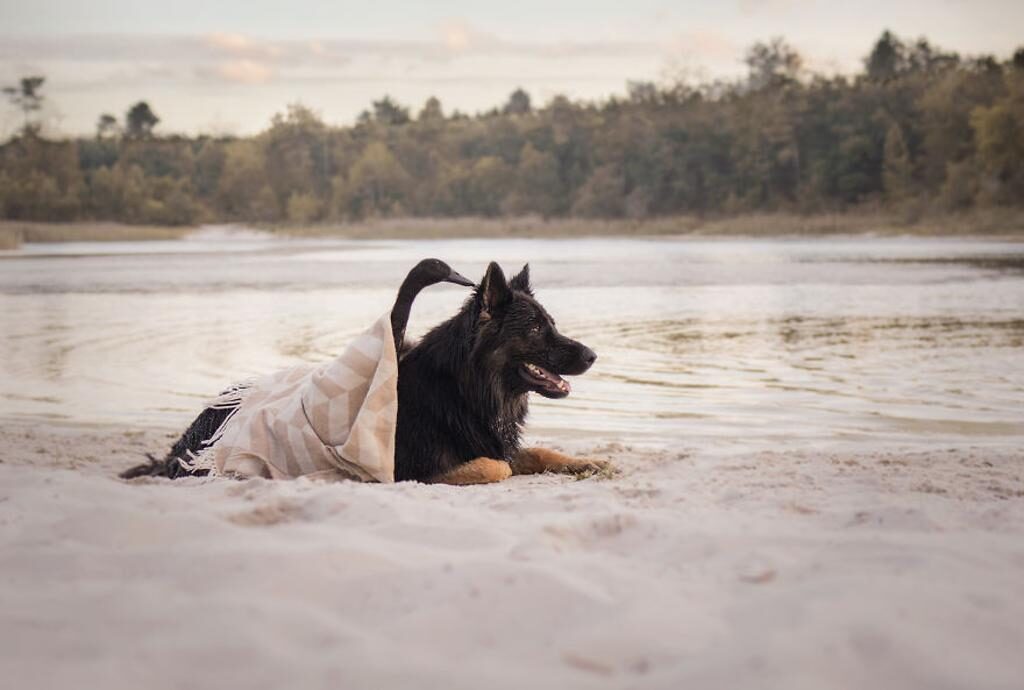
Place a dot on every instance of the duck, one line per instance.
(424, 274)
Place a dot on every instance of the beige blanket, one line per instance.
(335, 420)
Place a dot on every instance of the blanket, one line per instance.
(332, 421)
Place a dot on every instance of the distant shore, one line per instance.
(992, 223)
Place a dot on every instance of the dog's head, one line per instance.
(517, 337)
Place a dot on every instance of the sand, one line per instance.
(824, 569)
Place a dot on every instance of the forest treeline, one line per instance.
(918, 130)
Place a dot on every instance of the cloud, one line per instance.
(456, 54)
(707, 44)
(455, 36)
(240, 45)
(233, 43)
(454, 40)
(459, 36)
(244, 72)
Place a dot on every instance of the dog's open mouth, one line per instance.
(544, 382)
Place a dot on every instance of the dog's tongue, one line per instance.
(558, 381)
(552, 382)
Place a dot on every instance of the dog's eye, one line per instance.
(534, 330)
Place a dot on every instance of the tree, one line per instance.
(944, 118)
(242, 189)
(518, 103)
(538, 187)
(431, 111)
(26, 96)
(106, 126)
(887, 58)
(208, 167)
(960, 185)
(923, 57)
(642, 92)
(386, 112)
(303, 208)
(377, 181)
(602, 196)
(1018, 59)
(296, 154)
(140, 121)
(897, 170)
(999, 133)
(486, 186)
(772, 63)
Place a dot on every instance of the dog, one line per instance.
(463, 388)
(462, 392)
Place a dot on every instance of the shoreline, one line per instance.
(1001, 224)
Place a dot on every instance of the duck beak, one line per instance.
(459, 279)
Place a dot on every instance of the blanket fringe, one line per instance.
(230, 399)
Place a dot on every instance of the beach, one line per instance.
(821, 482)
(811, 570)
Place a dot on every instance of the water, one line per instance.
(730, 344)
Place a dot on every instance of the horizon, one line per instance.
(230, 70)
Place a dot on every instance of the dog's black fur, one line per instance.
(462, 390)
(201, 428)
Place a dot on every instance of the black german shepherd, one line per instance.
(462, 392)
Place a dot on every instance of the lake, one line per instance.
(717, 344)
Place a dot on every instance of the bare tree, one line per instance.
(27, 97)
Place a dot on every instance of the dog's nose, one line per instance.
(588, 356)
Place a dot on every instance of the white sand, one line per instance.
(826, 570)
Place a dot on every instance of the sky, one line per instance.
(227, 66)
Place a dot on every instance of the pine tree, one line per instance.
(897, 170)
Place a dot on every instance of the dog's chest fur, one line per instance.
(445, 419)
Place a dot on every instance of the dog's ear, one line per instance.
(521, 281)
(493, 292)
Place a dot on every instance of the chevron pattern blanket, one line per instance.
(335, 420)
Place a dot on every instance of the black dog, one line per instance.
(462, 390)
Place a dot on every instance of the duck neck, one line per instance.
(403, 307)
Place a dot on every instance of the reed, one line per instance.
(527, 226)
(13, 234)
(992, 222)
(9, 239)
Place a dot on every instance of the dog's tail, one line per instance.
(154, 468)
(196, 438)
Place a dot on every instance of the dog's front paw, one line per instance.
(589, 467)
